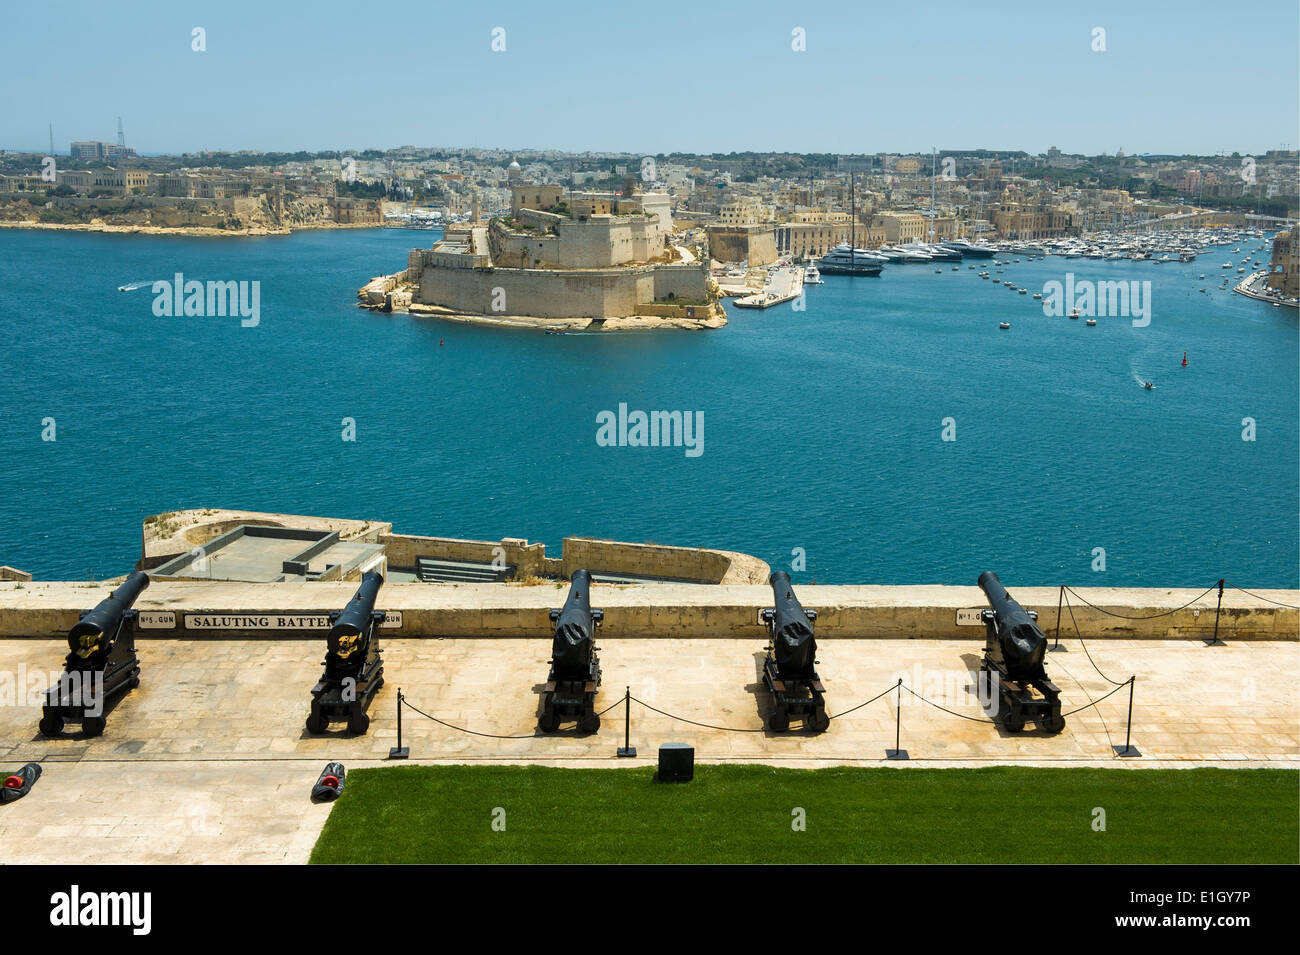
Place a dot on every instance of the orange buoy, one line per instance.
(441, 343)
(1184, 359)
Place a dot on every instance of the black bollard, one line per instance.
(627, 749)
(1216, 642)
(1129, 749)
(898, 752)
(399, 751)
(1056, 647)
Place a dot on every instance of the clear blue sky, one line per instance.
(647, 77)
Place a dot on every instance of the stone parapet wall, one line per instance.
(48, 609)
(403, 549)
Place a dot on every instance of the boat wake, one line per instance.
(133, 286)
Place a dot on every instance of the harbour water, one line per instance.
(823, 426)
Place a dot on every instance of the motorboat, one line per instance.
(906, 253)
(970, 250)
(846, 260)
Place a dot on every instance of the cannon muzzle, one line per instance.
(1023, 644)
(575, 626)
(353, 621)
(792, 627)
(86, 638)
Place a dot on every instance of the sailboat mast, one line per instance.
(933, 159)
(853, 225)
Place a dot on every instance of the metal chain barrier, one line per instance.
(1260, 597)
(463, 729)
(973, 719)
(1111, 613)
(707, 726)
(1079, 634)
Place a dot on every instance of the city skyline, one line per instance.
(855, 80)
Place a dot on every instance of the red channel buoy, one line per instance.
(1184, 359)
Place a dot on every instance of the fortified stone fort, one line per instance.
(565, 255)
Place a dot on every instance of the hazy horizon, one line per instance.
(579, 78)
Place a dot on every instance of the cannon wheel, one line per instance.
(51, 724)
(94, 725)
(1014, 724)
(134, 681)
(316, 723)
(819, 721)
(1053, 723)
(358, 722)
(778, 722)
(589, 722)
(548, 722)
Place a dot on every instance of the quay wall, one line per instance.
(558, 293)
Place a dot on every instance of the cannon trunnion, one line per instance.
(1014, 650)
(574, 678)
(101, 662)
(354, 668)
(789, 672)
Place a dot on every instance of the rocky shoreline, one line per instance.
(177, 230)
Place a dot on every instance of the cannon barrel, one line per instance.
(575, 627)
(1023, 644)
(793, 642)
(354, 620)
(84, 637)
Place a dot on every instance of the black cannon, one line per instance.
(789, 671)
(1014, 650)
(354, 668)
(101, 662)
(570, 691)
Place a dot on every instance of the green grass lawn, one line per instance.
(439, 814)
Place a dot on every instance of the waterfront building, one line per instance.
(98, 150)
(1284, 266)
(901, 228)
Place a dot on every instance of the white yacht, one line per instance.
(907, 253)
(811, 276)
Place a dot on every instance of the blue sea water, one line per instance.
(822, 426)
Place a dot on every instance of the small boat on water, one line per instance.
(1004, 325)
(811, 276)
(1074, 313)
(1091, 321)
(1148, 385)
